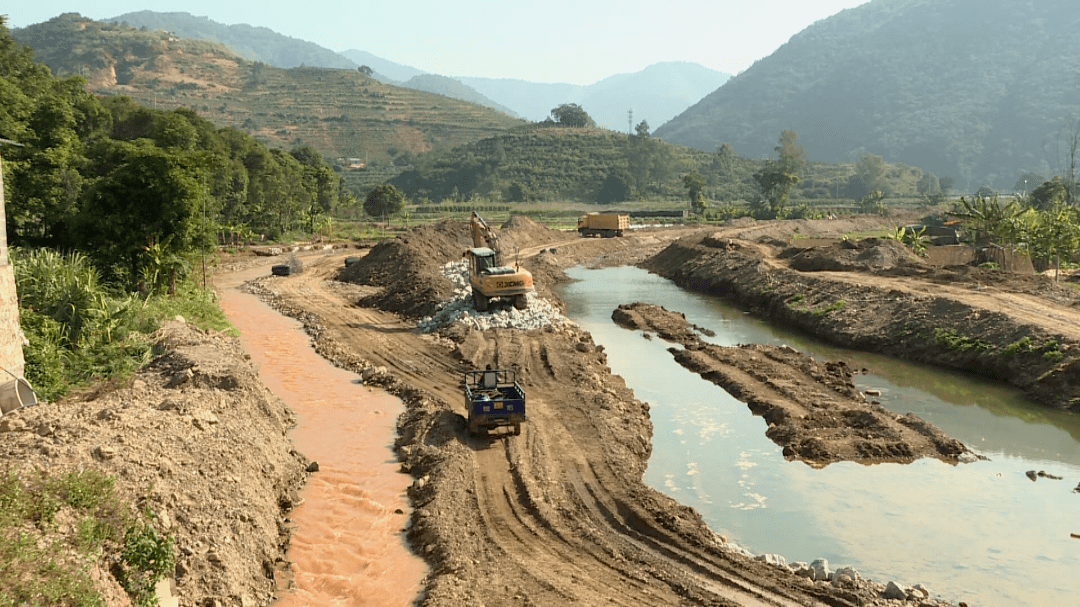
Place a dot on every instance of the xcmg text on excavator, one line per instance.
(488, 277)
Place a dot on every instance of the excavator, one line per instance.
(489, 278)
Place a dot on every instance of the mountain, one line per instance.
(979, 90)
(444, 85)
(252, 43)
(393, 72)
(268, 46)
(339, 112)
(655, 94)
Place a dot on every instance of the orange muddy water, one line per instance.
(348, 547)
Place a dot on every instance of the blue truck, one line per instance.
(494, 398)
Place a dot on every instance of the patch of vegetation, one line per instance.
(1023, 345)
(952, 340)
(836, 306)
(43, 563)
(80, 329)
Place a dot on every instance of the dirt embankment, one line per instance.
(813, 409)
(199, 442)
(1024, 330)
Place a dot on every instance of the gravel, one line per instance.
(459, 308)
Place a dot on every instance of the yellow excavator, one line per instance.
(488, 276)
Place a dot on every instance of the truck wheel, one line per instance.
(521, 302)
(517, 428)
(480, 302)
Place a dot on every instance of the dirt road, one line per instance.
(558, 515)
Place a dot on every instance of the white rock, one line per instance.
(893, 591)
(821, 570)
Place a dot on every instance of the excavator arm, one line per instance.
(484, 236)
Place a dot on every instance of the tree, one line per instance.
(778, 177)
(946, 183)
(518, 192)
(869, 176)
(929, 184)
(725, 158)
(616, 188)
(985, 215)
(642, 129)
(695, 188)
(792, 154)
(776, 185)
(365, 70)
(1049, 194)
(1028, 181)
(147, 196)
(320, 181)
(385, 200)
(572, 115)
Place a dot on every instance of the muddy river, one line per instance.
(983, 533)
(348, 547)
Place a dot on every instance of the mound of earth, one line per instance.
(198, 441)
(870, 254)
(408, 268)
(669, 325)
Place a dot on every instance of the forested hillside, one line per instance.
(979, 90)
(131, 186)
(342, 113)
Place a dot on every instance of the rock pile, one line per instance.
(459, 308)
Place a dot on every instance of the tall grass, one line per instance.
(80, 329)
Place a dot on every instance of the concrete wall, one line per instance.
(11, 335)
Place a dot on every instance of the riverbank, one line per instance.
(1023, 330)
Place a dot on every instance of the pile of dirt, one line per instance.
(408, 268)
(867, 255)
(668, 325)
(198, 441)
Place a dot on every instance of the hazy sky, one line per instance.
(571, 41)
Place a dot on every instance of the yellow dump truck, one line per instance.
(604, 225)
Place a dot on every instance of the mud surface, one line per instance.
(558, 515)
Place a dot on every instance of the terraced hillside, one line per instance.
(342, 113)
